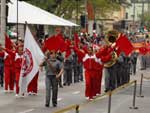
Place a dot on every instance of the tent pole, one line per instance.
(17, 21)
(3, 22)
(71, 32)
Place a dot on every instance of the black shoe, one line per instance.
(61, 86)
(46, 105)
(54, 105)
(106, 90)
(143, 69)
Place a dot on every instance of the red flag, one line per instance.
(55, 43)
(51, 43)
(124, 44)
(67, 48)
(143, 50)
(68, 53)
(63, 45)
(118, 51)
(8, 43)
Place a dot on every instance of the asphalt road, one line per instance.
(74, 94)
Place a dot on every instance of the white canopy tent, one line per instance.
(34, 15)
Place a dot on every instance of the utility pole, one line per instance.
(17, 20)
(86, 16)
(134, 13)
(149, 6)
(142, 20)
(3, 22)
(77, 11)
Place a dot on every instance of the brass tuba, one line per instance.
(112, 61)
(110, 39)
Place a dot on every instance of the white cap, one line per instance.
(81, 33)
(94, 31)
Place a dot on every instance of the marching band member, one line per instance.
(8, 70)
(18, 56)
(89, 59)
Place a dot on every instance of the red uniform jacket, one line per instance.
(7, 58)
(89, 61)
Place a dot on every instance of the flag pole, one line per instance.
(25, 27)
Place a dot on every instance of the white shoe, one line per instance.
(16, 95)
(11, 91)
(90, 99)
(35, 94)
(29, 93)
(6, 91)
(97, 94)
(94, 96)
(87, 98)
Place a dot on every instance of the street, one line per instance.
(65, 35)
(74, 94)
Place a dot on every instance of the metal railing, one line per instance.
(141, 85)
(109, 94)
(72, 107)
(122, 87)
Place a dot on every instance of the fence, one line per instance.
(76, 106)
(141, 84)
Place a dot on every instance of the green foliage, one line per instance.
(104, 7)
(145, 21)
(44, 4)
(68, 8)
(147, 16)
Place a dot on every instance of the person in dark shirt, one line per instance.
(52, 65)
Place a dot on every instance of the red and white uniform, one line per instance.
(98, 76)
(93, 70)
(18, 63)
(89, 63)
(8, 71)
(17, 66)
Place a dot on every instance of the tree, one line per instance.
(145, 18)
(69, 8)
(104, 8)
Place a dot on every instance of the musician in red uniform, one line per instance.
(17, 64)
(98, 76)
(89, 60)
(8, 71)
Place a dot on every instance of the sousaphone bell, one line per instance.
(110, 39)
